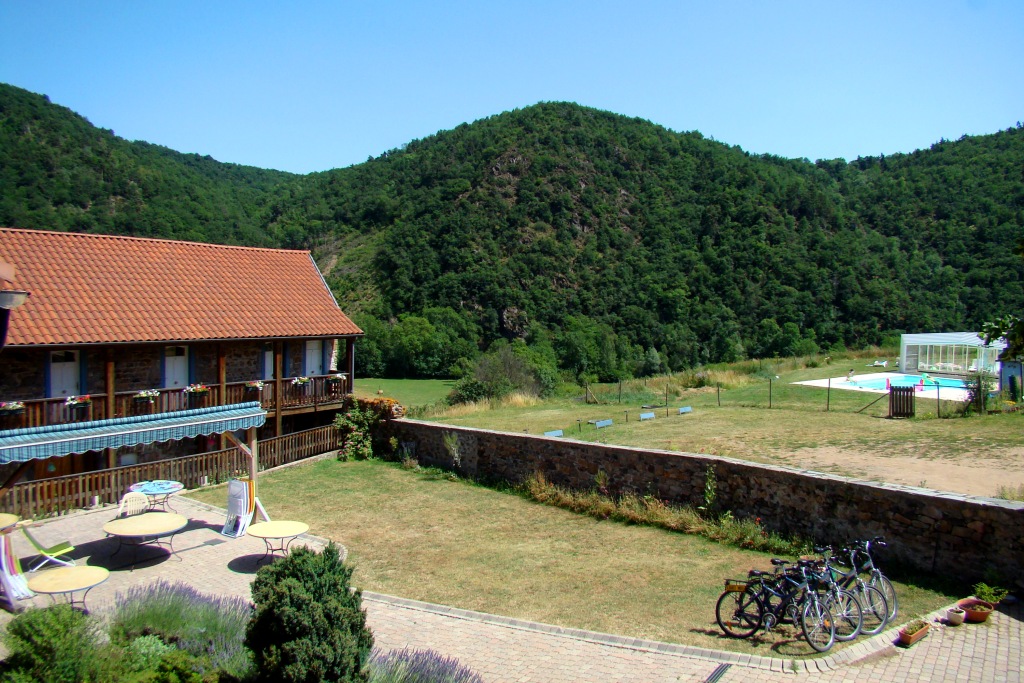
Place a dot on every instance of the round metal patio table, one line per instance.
(158, 491)
(146, 529)
(67, 581)
(284, 532)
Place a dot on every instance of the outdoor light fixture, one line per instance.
(12, 298)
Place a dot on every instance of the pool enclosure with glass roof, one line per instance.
(953, 353)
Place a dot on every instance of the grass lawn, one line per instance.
(971, 455)
(409, 392)
(421, 536)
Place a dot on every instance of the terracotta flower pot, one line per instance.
(909, 639)
(976, 611)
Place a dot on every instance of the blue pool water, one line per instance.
(909, 381)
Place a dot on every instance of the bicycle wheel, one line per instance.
(739, 613)
(819, 626)
(847, 614)
(874, 609)
(883, 584)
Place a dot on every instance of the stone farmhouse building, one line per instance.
(180, 340)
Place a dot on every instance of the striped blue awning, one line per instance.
(20, 445)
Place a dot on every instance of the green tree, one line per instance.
(308, 624)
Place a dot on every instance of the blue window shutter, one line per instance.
(325, 355)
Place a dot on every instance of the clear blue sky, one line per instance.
(310, 86)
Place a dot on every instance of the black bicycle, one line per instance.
(862, 561)
(873, 606)
(792, 592)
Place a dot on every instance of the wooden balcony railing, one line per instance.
(324, 390)
(60, 495)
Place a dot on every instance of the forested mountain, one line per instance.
(609, 244)
(58, 172)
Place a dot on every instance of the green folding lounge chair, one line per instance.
(51, 554)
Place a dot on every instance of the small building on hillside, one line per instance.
(949, 353)
(123, 327)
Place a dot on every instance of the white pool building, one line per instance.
(952, 353)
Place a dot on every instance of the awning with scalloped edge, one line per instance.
(21, 445)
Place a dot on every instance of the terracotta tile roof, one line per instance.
(93, 289)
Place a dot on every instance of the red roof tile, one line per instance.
(94, 289)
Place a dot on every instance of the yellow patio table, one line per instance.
(67, 581)
(146, 529)
(7, 520)
(283, 532)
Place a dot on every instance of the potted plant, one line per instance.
(300, 381)
(976, 611)
(254, 385)
(196, 394)
(147, 395)
(955, 616)
(913, 632)
(990, 594)
(82, 401)
(11, 408)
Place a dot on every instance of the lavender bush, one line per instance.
(209, 628)
(419, 666)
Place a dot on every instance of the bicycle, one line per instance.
(874, 606)
(844, 605)
(766, 599)
(877, 579)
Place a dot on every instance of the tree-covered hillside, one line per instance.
(58, 172)
(630, 237)
(609, 245)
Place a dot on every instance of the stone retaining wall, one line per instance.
(941, 533)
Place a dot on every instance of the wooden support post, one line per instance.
(350, 363)
(222, 380)
(278, 385)
(109, 385)
(254, 457)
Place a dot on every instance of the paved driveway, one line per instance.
(503, 649)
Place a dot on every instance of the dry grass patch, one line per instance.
(422, 536)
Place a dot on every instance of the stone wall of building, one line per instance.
(137, 368)
(955, 535)
(243, 361)
(22, 377)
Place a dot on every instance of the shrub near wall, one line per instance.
(964, 537)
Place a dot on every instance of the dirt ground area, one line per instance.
(980, 476)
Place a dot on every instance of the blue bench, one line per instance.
(685, 409)
(646, 416)
(603, 423)
(555, 432)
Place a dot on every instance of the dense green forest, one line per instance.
(584, 241)
(59, 172)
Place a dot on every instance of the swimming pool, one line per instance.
(898, 380)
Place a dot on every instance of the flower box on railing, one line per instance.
(254, 385)
(8, 408)
(147, 396)
(78, 402)
(196, 394)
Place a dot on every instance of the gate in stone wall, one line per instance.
(901, 402)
